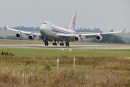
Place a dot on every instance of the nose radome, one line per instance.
(45, 27)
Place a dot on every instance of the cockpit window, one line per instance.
(44, 23)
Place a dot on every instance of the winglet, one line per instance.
(124, 30)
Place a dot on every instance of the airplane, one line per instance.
(51, 32)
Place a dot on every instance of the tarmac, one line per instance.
(41, 46)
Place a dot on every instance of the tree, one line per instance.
(1, 37)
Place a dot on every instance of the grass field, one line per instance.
(66, 52)
(37, 68)
(20, 42)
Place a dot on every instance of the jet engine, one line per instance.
(18, 35)
(99, 37)
(77, 39)
(31, 37)
(41, 37)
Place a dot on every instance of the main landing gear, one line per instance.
(55, 44)
(61, 44)
(67, 40)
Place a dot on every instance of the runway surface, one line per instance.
(39, 46)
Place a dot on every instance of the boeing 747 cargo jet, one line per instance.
(51, 32)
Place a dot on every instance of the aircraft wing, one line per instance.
(97, 36)
(88, 34)
(22, 32)
(104, 33)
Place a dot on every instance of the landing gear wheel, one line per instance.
(61, 44)
(67, 44)
(55, 44)
(46, 41)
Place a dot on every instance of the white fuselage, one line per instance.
(48, 29)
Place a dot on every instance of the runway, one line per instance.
(40, 46)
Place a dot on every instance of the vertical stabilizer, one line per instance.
(72, 22)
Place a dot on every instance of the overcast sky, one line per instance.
(104, 14)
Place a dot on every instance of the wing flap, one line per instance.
(105, 33)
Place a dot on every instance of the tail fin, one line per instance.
(72, 22)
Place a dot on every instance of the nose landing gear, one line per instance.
(46, 41)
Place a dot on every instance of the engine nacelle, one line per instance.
(41, 37)
(77, 39)
(18, 35)
(99, 37)
(31, 37)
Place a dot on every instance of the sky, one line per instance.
(104, 14)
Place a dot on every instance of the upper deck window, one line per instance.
(44, 23)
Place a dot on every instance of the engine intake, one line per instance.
(31, 37)
(18, 35)
(76, 38)
(99, 37)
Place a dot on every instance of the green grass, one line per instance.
(20, 42)
(66, 52)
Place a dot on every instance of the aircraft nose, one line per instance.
(42, 27)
